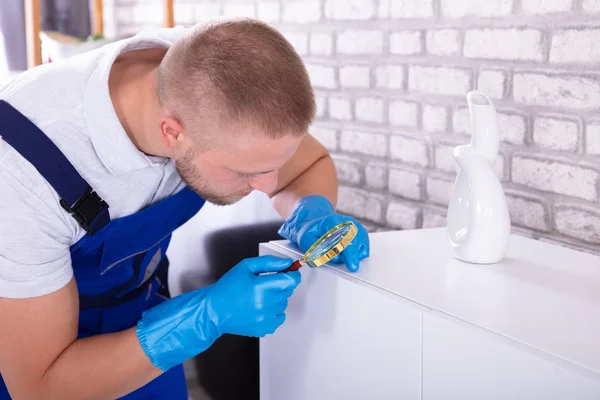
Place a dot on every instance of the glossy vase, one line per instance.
(478, 220)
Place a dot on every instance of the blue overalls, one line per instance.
(120, 266)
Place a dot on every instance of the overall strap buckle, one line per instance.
(85, 208)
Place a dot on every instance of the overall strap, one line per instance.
(77, 196)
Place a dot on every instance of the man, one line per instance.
(107, 153)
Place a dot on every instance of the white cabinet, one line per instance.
(342, 340)
(415, 323)
(460, 362)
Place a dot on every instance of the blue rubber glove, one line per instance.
(240, 303)
(312, 218)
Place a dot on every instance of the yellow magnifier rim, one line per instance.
(335, 250)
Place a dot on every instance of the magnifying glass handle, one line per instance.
(295, 266)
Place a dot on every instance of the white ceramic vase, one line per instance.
(478, 220)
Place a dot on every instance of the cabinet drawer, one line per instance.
(342, 339)
(461, 362)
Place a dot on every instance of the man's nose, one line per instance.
(265, 183)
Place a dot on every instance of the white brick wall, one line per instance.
(409, 150)
(557, 90)
(360, 42)
(556, 134)
(434, 118)
(574, 45)
(443, 42)
(546, 6)
(349, 9)
(476, 8)
(504, 44)
(439, 80)
(411, 8)
(355, 76)
(403, 112)
(402, 216)
(391, 76)
(405, 183)
(301, 11)
(406, 42)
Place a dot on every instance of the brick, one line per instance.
(269, 11)
(404, 183)
(492, 83)
(370, 109)
(504, 44)
(591, 5)
(439, 80)
(556, 90)
(321, 43)
(476, 8)
(555, 176)
(404, 113)
(555, 134)
(411, 9)
(340, 108)
(389, 76)
(443, 42)
(402, 216)
(528, 211)
(434, 118)
(376, 175)
(409, 150)
(355, 76)
(326, 136)
(372, 144)
(321, 102)
(575, 46)
(349, 170)
(205, 11)
(301, 11)
(439, 190)
(546, 6)
(512, 128)
(384, 8)
(322, 76)
(433, 219)
(444, 159)
(592, 137)
(406, 42)
(349, 9)
(360, 204)
(239, 10)
(299, 40)
(360, 42)
(578, 222)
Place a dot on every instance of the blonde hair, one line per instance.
(239, 70)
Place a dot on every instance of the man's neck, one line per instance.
(132, 85)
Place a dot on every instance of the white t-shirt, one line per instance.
(70, 102)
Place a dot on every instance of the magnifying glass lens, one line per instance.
(327, 243)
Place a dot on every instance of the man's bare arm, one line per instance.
(310, 171)
(41, 357)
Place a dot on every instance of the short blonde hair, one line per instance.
(240, 70)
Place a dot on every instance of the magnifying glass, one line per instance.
(327, 246)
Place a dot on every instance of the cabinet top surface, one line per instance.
(541, 295)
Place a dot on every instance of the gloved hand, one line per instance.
(312, 218)
(240, 303)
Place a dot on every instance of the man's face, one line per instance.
(226, 172)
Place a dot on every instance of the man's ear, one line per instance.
(171, 131)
